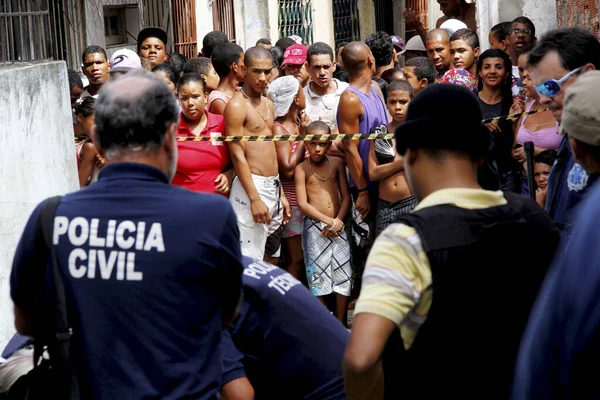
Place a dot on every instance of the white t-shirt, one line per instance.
(324, 107)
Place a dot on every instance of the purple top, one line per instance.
(375, 114)
(546, 138)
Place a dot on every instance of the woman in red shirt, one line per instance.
(201, 166)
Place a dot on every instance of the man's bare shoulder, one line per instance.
(337, 162)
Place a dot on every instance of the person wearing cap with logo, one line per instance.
(558, 59)
(123, 61)
(294, 60)
(414, 48)
(152, 45)
(425, 272)
(559, 347)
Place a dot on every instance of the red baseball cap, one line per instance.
(295, 55)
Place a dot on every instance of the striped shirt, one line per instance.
(396, 283)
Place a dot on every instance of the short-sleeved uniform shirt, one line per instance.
(146, 268)
(284, 340)
(200, 163)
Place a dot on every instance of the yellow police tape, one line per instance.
(338, 136)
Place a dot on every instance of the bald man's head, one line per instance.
(257, 53)
(437, 34)
(357, 57)
(437, 44)
(134, 111)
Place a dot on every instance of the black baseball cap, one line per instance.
(152, 31)
(444, 117)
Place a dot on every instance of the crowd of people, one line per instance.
(204, 268)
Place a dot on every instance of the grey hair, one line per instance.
(19, 364)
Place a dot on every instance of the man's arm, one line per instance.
(235, 116)
(394, 283)
(28, 273)
(235, 385)
(344, 190)
(232, 265)
(363, 372)
(349, 113)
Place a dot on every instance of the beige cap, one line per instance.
(581, 112)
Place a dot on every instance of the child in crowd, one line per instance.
(203, 67)
(324, 199)
(387, 166)
(86, 153)
(227, 59)
(464, 50)
(542, 165)
(168, 74)
(289, 104)
(498, 36)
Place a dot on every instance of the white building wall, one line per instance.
(322, 22)
(204, 20)
(38, 157)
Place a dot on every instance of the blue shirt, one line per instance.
(284, 340)
(148, 269)
(560, 347)
(567, 185)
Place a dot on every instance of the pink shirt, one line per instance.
(546, 138)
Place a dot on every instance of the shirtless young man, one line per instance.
(324, 199)
(256, 193)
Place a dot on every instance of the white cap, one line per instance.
(452, 25)
(415, 43)
(296, 39)
(124, 60)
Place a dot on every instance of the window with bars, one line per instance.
(295, 18)
(25, 30)
(346, 24)
(36, 30)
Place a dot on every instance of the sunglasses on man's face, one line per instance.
(552, 87)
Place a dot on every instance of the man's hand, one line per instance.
(494, 128)
(260, 212)
(287, 210)
(519, 155)
(304, 122)
(223, 184)
(363, 204)
(99, 161)
(411, 18)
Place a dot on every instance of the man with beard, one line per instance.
(437, 43)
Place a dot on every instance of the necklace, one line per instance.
(315, 174)
(256, 109)
(323, 101)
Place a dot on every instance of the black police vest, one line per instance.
(487, 266)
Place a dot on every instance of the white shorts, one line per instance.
(259, 239)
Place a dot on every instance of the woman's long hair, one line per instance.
(507, 99)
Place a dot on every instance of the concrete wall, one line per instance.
(323, 22)
(38, 157)
(366, 11)
(204, 20)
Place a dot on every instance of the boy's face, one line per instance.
(519, 36)
(541, 172)
(411, 77)
(318, 148)
(397, 105)
(463, 54)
